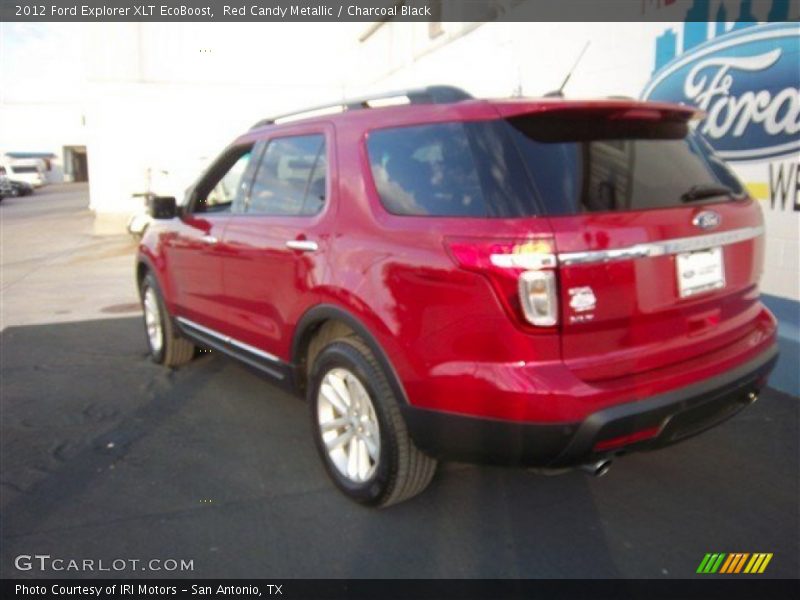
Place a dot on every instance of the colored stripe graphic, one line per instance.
(703, 563)
(767, 558)
(738, 563)
(734, 563)
(727, 564)
(755, 562)
(759, 562)
(717, 564)
(711, 563)
(758, 189)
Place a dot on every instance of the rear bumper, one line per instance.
(667, 418)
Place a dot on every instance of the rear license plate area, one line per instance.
(700, 271)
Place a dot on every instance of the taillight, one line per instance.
(537, 294)
(522, 273)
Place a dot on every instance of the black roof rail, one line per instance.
(433, 94)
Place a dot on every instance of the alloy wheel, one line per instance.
(152, 319)
(348, 425)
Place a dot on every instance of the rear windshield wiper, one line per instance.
(706, 190)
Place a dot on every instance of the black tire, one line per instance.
(401, 471)
(174, 350)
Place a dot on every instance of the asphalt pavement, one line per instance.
(53, 268)
(105, 455)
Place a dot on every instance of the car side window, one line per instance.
(226, 184)
(426, 170)
(290, 179)
(317, 185)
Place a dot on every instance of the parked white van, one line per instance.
(29, 170)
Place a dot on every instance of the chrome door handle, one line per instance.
(302, 245)
(209, 239)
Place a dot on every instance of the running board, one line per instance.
(258, 359)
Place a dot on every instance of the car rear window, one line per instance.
(542, 164)
(597, 165)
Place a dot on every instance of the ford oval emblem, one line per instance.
(708, 219)
(746, 82)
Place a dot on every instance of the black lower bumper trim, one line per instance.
(676, 415)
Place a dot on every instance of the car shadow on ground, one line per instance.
(106, 455)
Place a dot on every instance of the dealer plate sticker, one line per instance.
(700, 271)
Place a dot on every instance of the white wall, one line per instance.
(166, 97)
(497, 59)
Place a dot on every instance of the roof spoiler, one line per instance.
(614, 109)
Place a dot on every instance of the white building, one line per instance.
(41, 111)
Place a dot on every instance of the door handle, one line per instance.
(209, 239)
(302, 245)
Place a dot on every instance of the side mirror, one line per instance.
(162, 207)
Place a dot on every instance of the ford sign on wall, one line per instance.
(748, 83)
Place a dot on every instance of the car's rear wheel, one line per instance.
(166, 345)
(359, 431)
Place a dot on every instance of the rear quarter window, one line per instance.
(426, 170)
(457, 169)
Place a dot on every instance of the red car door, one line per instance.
(274, 250)
(194, 250)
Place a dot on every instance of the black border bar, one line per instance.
(372, 11)
(708, 587)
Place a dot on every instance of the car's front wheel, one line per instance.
(166, 345)
(359, 431)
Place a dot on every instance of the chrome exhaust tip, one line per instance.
(597, 469)
(752, 397)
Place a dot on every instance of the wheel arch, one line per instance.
(143, 267)
(311, 322)
(145, 263)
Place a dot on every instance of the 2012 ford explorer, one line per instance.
(536, 282)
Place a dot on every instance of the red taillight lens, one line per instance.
(522, 273)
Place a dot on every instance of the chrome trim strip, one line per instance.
(663, 248)
(533, 261)
(302, 245)
(254, 350)
(229, 340)
(228, 350)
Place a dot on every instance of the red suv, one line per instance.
(536, 282)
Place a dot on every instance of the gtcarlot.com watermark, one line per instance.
(46, 563)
